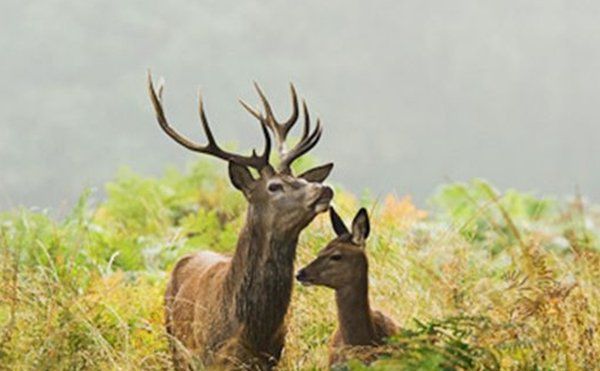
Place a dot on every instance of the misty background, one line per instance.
(412, 94)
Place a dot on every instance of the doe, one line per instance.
(343, 266)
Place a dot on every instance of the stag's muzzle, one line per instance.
(322, 202)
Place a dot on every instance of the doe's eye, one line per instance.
(336, 257)
(275, 187)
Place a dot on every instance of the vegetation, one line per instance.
(482, 280)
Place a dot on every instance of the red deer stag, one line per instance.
(343, 266)
(230, 311)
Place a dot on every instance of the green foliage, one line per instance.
(441, 345)
(477, 211)
(486, 281)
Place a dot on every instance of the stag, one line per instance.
(343, 266)
(229, 311)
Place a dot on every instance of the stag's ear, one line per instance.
(338, 224)
(360, 227)
(317, 174)
(240, 177)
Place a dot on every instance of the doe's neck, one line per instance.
(354, 312)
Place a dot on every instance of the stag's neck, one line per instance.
(261, 277)
(354, 313)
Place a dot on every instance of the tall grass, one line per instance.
(481, 280)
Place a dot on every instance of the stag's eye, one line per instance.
(336, 257)
(275, 187)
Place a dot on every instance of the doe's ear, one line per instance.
(338, 224)
(317, 174)
(240, 177)
(360, 227)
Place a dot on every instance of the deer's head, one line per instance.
(343, 260)
(284, 202)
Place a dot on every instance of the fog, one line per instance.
(412, 94)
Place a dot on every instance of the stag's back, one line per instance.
(193, 299)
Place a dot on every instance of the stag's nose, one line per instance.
(327, 192)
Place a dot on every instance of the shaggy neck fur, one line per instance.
(260, 279)
(354, 312)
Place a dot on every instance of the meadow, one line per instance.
(481, 279)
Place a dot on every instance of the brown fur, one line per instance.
(343, 266)
(340, 349)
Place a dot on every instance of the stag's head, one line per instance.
(343, 261)
(283, 201)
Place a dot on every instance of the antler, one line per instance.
(212, 148)
(281, 129)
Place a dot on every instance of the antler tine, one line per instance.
(251, 110)
(279, 129)
(294, 116)
(156, 98)
(267, 150)
(306, 143)
(212, 148)
(308, 139)
(204, 121)
(256, 161)
(260, 118)
(306, 127)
